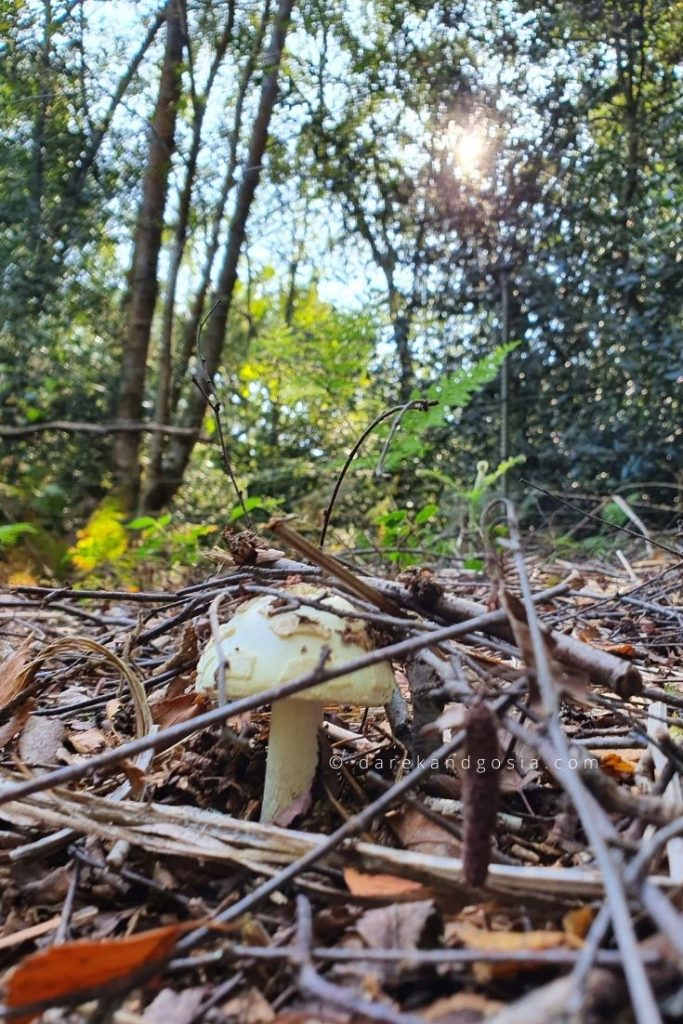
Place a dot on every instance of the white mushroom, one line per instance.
(265, 645)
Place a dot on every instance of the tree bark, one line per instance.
(144, 280)
(165, 348)
(67, 211)
(197, 309)
(180, 449)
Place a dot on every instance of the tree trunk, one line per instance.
(67, 211)
(191, 328)
(162, 409)
(144, 281)
(180, 450)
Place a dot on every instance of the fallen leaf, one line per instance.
(113, 707)
(379, 886)
(420, 835)
(398, 926)
(170, 710)
(171, 1007)
(186, 654)
(461, 1008)
(505, 941)
(576, 924)
(590, 637)
(480, 938)
(137, 777)
(16, 723)
(249, 1007)
(82, 968)
(612, 763)
(86, 915)
(13, 673)
(87, 741)
(41, 739)
(319, 1015)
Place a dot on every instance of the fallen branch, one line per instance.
(103, 429)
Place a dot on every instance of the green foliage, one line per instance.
(418, 531)
(109, 550)
(12, 532)
(372, 263)
(452, 393)
(614, 514)
(258, 508)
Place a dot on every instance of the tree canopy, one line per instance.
(324, 210)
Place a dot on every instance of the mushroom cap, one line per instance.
(264, 646)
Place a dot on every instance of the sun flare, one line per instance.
(469, 148)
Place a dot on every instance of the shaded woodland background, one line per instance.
(296, 177)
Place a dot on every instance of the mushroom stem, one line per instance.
(292, 754)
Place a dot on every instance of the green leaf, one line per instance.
(426, 513)
(11, 533)
(142, 523)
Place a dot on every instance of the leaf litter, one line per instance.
(112, 879)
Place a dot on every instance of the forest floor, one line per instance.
(138, 885)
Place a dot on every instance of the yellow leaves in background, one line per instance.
(102, 539)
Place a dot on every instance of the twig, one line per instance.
(356, 823)
(612, 526)
(644, 1004)
(62, 932)
(333, 566)
(421, 405)
(312, 984)
(181, 730)
(598, 930)
(117, 427)
(205, 386)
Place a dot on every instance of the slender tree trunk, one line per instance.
(197, 309)
(163, 399)
(144, 281)
(213, 339)
(35, 273)
(405, 356)
(67, 211)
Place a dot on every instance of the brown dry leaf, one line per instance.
(187, 651)
(171, 1007)
(316, 1015)
(170, 710)
(576, 924)
(613, 763)
(380, 886)
(249, 1007)
(113, 707)
(480, 938)
(13, 673)
(590, 636)
(41, 739)
(86, 915)
(461, 1008)
(87, 741)
(506, 941)
(82, 968)
(420, 835)
(398, 926)
(136, 776)
(16, 723)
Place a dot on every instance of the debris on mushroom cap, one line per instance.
(265, 644)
